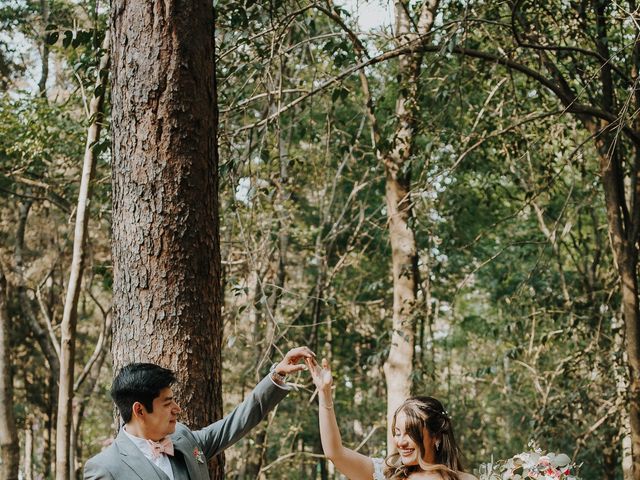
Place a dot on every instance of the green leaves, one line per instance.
(52, 37)
(73, 38)
(340, 51)
(338, 93)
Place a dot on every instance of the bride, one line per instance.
(422, 434)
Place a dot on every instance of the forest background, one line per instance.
(451, 201)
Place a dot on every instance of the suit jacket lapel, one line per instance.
(197, 471)
(132, 456)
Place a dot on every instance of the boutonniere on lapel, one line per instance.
(197, 454)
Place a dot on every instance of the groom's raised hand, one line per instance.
(291, 362)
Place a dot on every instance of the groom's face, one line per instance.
(162, 421)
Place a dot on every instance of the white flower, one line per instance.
(559, 460)
(529, 460)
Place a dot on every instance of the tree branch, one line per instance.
(418, 44)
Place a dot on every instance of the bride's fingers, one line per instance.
(325, 364)
(312, 365)
(313, 369)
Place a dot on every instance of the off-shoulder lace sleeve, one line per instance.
(378, 463)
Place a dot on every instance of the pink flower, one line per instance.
(197, 454)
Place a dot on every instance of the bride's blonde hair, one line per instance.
(426, 413)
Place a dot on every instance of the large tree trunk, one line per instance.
(9, 447)
(64, 467)
(166, 260)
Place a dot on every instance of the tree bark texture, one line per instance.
(64, 468)
(166, 258)
(9, 447)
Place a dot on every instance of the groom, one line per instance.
(152, 445)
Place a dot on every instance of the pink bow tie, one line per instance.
(163, 446)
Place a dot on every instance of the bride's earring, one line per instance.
(437, 445)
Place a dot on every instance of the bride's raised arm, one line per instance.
(350, 463)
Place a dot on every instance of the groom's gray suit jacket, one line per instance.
(123, 460)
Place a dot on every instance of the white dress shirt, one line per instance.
(162, 461)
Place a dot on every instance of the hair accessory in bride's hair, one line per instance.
(445, 414)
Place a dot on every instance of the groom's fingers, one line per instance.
(296, 353)
(291, 368)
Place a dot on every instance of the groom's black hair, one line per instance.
(139, 382)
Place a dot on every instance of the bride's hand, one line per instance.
(321, 376)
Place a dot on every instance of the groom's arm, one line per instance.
(227, 431)
(223, 433)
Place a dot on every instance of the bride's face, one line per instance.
(407, 448)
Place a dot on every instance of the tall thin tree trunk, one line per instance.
(622, 387)
(64, 468)
(27, 464)
(627, 455)
(622, 227)
(632, 335)
(85, 386)
(9, 446)
(40, 335)
(609, 461)
(166, 257)
(398, 367)
(44, 58)
(257, 457)
(399, 364)
(623, 219)
(395, 158)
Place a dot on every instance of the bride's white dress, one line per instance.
(378, 465)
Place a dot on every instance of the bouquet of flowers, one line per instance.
(531, 465)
